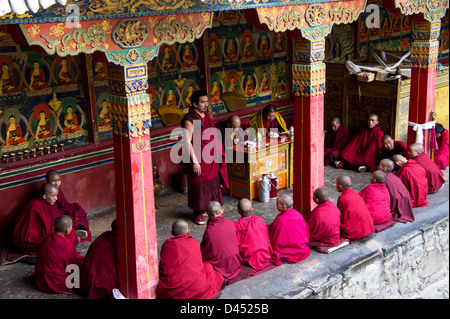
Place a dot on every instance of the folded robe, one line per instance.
(99, 275)
(220, 247)
(378, 201)
(414, 177)
(401, 206)
(183, 274)
(356, 220)
(289, 236)
(54, 255)
(253, 240)
(441, 155)
(335, 142)
(435, 176)
(324, 224)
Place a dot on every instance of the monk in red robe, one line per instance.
(206, 172)
(182, 273)
(54, 256)
(435, 176)
(441, 155)
(378, 201)
(99, 275)
(288, 233)
(356, 220)
(389, 148)
(253, 238)
(33, 224)
(336, 139)
(401, 207)
(363, 149)
(63, 207)
(324, 222)
(222, 254)
(414, 177)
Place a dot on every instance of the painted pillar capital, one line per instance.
(425, 46)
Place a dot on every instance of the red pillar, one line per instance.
(135, 204)
(308, 79)
(424, 53)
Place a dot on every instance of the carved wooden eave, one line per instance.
(432, 10)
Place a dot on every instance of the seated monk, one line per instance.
(324, 221)
(54, 255)
(435, 177)
(253, 238)
(99, 275)
(441, 155)
(336, 138)
(378, 201)
(288, 233)
(356, 220)
(33, 224)
(74, 210)
(182, 273)
(389, 148)
(362, 150)
(233, 134)
(414, 177)
(401, 207)
(222, 254)
(265, 121)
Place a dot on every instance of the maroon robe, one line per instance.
(363, 148)
(183, 274)
(289, 236)
(414, 177)
(253, 240)
(441, 155)
(220, 247)
(378, 201)
(54, 255)
(400, 198)
(324, 225)
(435, 176)
(399, 148)
(335, 142)
(99, 275)
(356, 220)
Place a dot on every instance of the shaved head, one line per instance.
(335, 119)
(244, 206)
(387, 164)
(321, 194)
(417, 147)
(379, 177)
(180, 227)
(50, 174)
(48, 188)
(398, 158)
(234, 121)
(213, 209)
(62, 223)
(345, 181)
(286, 200)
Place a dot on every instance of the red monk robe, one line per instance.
(335, 142)
(399, 148)
(356, 220)
(183, 274)
(435, 176)
(324, 225)
(363, 148)
(400, 198)
(220, 247)
(54, 255)
(441, 155)
(99, 275)
(253, 240)
(414, 177)
(378, 201)
(289, 236)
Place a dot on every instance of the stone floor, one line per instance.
(17, 280)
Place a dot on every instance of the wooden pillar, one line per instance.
(424, 54)
(135, 203)
(308, 81)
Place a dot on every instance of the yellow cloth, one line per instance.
(256, 122)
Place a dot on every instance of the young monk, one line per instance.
(324, 221)
(378, 201)
(336, 138)
(288, 233)
(356, 220)
(362, 150)
(441, 155)
(401, 207)
(222, 254)
(99, 275)
(435, 176)
(389, 148)
(53, 257)
(182, 273)
(253, 239)
(74, 210)
(414, 177)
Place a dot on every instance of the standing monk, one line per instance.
(414, 177)
(363, 149)
(441, 155)
(336, 138)
(435, 176)
(203, 170)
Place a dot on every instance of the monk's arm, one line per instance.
(189, 127)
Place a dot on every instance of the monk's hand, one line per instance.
(197, 169)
